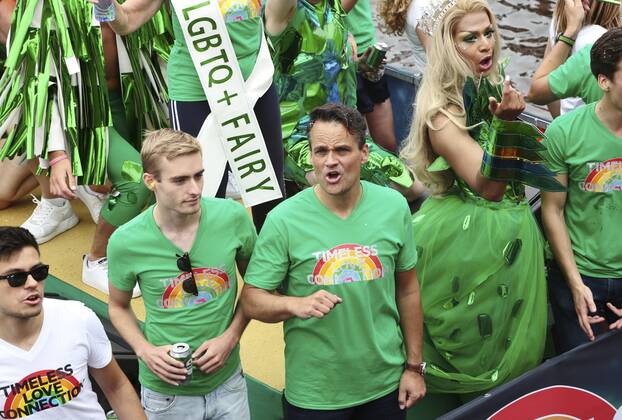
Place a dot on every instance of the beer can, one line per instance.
(111, 415)
(181, 352)
(377, 54)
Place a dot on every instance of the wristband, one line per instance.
(513, 153)
(566, 40)
(57, 159)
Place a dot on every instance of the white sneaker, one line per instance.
(48, 220)
(95, 274)
(92, 200)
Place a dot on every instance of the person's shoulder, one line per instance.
(292, 205)
(65, 309)
(576, 116)
(137, 224)
(568, 125)
(386, 195)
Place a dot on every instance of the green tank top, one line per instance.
(313, 62)
(244, 27)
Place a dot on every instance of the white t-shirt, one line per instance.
(413, 15)
(51, 380)
(587, 35)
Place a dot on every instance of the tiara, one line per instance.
(433, 14)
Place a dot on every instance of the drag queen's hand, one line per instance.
(512, 103)
(62, 181)
(583, 305)
(213, 353)
(411, 390)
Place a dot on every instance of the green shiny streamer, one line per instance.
(66, 33)
(132, 171)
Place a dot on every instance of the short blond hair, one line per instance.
(168, 144)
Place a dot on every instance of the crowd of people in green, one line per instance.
(379, 304)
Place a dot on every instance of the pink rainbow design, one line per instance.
(19, 399)
(348, 267)
(603, 180)
(211, 283)
(238, 10)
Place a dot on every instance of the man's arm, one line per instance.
(540, 91)
(553, 204)
(118, 391)
(157, 358)
(132, 14)
(348, 4)
(278, 13)
(268, 306)
(6, 13)
(412, 385)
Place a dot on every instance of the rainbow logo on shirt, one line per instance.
(347, 263)
(211, 283)
(238, 10)
(604, 176)
(39, 391)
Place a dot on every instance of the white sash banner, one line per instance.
(231, 132)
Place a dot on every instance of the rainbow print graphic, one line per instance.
(604, 176)
(41, 390)
(347, 263)
(211, 283)
(237, 10)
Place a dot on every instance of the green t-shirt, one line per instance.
(361, 25)
(138, 251)
(575, 79)
(244, 27)
(354, 354)
(582, 147)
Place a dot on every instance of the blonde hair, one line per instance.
(393, 13)
(168, 144)
(441, 92)
(604, 14)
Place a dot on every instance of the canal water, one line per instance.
(523, 26)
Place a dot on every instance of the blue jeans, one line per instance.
(386, 408)
(227, 402)
(567, 333)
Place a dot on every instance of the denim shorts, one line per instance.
(227, 402)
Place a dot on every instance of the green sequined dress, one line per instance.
(483, 286)
(313, 66)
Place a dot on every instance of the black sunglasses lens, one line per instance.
(190, 286)
(17, 279)
(40, 273)
(183, 263)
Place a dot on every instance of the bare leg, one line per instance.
(17, 181)
(100, 241)
(380, 124)
(43, 180)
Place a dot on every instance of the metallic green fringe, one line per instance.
(67, 41)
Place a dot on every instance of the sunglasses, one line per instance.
(190, 284)
(38, 272)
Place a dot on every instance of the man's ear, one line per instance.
(604, 83)
(365, 152)
(149, 180)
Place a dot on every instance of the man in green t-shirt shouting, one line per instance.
(342, 257)
(583, 224)
(183, 253)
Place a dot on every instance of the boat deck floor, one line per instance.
(261, 345)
